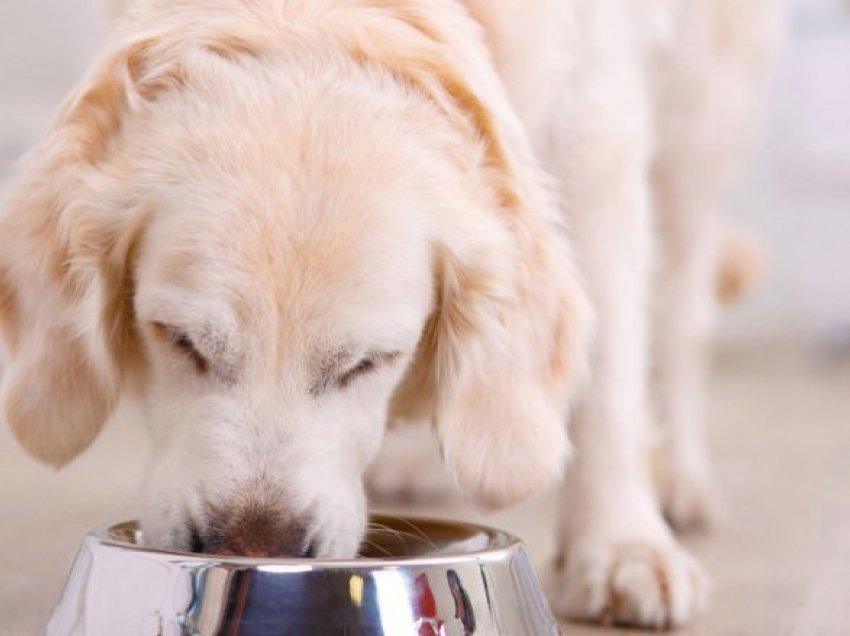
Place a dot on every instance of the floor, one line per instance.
(780, 559)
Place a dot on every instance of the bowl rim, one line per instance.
(500, 543)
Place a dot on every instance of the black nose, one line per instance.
(251, 532)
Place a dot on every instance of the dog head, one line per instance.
(277, 248)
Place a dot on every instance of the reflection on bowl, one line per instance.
(415, 577)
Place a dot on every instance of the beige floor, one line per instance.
(780, 560)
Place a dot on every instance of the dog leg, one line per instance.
(617, 560)
(706, 92)
(685, 307)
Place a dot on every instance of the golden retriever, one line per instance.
(280, 223)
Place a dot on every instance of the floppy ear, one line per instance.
(507, 341)
(63, 305)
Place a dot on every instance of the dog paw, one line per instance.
(688, 499)
(409, 469)
(641, 584)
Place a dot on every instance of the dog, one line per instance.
(280, 224)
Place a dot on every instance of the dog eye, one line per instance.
(181, 340)
(366, 365)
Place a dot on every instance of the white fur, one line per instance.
(245, 201)
(288, 183)
(620, 132)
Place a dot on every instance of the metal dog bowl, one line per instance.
(417, 577)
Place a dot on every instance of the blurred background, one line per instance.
(780, 408)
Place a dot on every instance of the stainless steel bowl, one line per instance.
(418, 577)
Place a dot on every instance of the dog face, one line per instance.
(281, 291)
(272, 356)
(277, 252)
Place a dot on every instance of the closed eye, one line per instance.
(183, 342)
(365, 366)
(330, 376)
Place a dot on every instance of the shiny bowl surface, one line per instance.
(418, 577)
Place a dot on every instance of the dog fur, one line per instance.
(281, 222)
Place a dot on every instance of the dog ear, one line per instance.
(507, 341)
(498, 362)
(63, 297)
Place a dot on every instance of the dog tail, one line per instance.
(741, 264)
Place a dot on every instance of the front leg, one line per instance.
(617, 560)
(684, 311)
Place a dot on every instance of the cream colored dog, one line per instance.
(279, 221)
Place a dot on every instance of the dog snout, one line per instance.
(251, 532)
